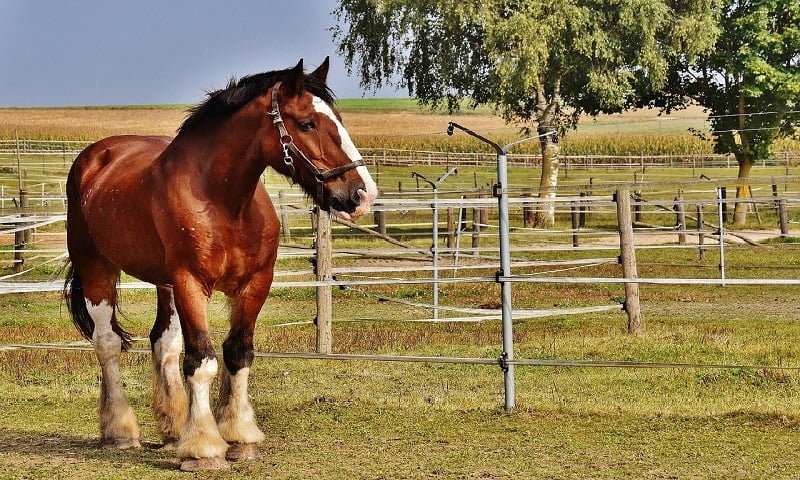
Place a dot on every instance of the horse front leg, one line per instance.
(200, 447)
(235, 416)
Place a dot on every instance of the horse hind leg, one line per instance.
(170, 402)
(118, 426)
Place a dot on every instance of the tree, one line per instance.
(538, 63)
(749, 82)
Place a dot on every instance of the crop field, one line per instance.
(358, 419)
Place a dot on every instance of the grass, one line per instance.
(389, 420)
(376, 420)
(386, 420)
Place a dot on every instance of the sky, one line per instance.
(93, 52)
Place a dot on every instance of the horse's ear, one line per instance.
(321, 73)
(294, 83)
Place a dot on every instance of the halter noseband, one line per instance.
(289, 148)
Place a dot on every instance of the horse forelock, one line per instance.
(239, 92)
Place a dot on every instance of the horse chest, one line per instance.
(231, 254)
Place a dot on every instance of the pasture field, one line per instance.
(381, 420)
(353, 419)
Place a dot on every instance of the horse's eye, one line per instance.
(307, 125)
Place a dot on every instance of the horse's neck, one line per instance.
(226, 159)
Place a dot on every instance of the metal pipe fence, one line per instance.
(61, 151)
(600, 205)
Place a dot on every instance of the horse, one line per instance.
(191, 216)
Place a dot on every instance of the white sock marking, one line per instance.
(171, 340)
(200, 383)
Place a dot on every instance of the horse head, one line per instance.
(316, 150)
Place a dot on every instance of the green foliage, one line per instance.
(749, 81)
(526, 59)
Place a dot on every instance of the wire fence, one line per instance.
(585, 239)
(44, 154)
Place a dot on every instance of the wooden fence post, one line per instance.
(527, 212)
(775, 196)
(637, 207)
(286, 230)
(21, 237)
(680, 218)
(451, 228)
(784, 217)
(476, 228)
(701, 237)
(627, 259)
(576, 242)
(590, 193)
(582, 214)
(323, 273)
(724, 196)
(380, 221)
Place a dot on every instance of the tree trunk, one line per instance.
(745, 160)
(742, 191)
(547, 111)
(545, 211)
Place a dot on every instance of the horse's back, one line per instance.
(130, 153)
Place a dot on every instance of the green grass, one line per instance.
(378, 104)
(395, 105)
(387, 420)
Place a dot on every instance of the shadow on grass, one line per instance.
(54, 449)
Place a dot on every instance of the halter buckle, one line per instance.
(288, 160)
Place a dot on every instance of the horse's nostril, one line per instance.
(356, 196)
(336, 203)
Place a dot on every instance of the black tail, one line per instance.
(76, 304)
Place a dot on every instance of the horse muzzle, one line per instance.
(354, 205)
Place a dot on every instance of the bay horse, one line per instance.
(192, 216)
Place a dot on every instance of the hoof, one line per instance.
(238, 452)
(121, 443)
(170, 444)
(204, 464)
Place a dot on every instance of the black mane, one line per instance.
(225, 101)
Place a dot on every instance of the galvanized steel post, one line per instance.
(500, 190)
(435, 233)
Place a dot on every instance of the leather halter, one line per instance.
(289, 148)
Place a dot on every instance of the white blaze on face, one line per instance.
(370, 191)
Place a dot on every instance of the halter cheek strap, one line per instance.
(291, 151)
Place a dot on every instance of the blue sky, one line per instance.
(93, 52)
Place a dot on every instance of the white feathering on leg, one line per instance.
(200, 437)
(235, 416)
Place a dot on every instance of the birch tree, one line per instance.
(539, 63)
(749, 83)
